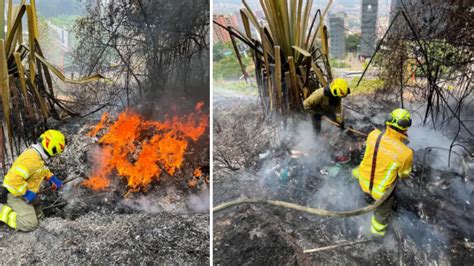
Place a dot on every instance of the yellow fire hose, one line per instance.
(310, 210)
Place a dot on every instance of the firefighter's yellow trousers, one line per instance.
(18, 214)
(381, 216)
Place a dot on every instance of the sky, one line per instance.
(350, 6)
(52, 8)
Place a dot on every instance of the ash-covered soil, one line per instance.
(169, 223)
(96, 238)
(433, 222)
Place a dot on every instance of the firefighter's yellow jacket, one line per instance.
(319, 103)
(393, 158)
(27, 172)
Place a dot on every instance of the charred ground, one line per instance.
(433, 222)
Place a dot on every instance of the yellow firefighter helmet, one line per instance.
(399, 119)
(53, 142)
(339, 88)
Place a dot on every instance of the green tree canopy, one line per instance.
(352, 41)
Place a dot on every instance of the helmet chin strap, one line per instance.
(404, 132)
(327, 92)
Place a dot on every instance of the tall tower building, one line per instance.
(337, 36)
(368, 24)
(395, 6)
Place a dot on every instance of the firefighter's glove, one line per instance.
(55, 183)
(29, 196)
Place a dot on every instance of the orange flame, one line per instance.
(99, 126)
(193, 182)
(197, 172)
(140, 150)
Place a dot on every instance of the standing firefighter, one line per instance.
(386, 157)
(327, 101)
(23, 180)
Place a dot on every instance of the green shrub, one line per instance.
(365, 86)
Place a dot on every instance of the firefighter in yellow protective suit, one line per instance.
(386, 157)
(23, 181)
(327, 101)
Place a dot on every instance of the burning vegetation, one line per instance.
(125, 154)
(140, 150)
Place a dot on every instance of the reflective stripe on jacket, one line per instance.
(393, 158)
(318, 103)
(27, 172)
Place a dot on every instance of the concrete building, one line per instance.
(395, 6)
(337, 35)
(220, 34)
(368, 27)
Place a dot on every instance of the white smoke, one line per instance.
(168, 199)
(304, 144)
(341, 192)
(145, 204)
(199, 202)
(433, 145)
(336, 189)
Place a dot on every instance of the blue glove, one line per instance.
(29, 196)
(55, 182)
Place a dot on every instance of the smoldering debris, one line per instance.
(171, 200)
(83, 226)
(432, 224)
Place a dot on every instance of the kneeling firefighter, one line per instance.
(24, 179)
(386, 157)
(327, 101)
